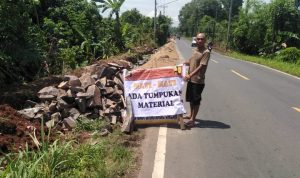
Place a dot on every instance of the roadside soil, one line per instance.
(16, 131)
(164, 56)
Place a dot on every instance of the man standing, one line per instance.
(195, 79)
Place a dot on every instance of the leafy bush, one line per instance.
(291, 55)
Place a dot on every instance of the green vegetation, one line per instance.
(290, 68)
(257, 28)
(291, 55)
(97, 157)
(265, 33)
(42, 37)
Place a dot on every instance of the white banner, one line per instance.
(155, 92)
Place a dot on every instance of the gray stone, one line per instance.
(70, 123)
(95, 77)
(108, 91)
(77, 89)
(95, 101)
(99, 84)
(56, 116)
(107, 71)
(103, 81)
(74, 82)
(110, 83)
(101, 113)
(30, 104)
(30, 112)
(64, 85)
(81, 102)
(49, 91)
(74, 113)
(69, 77)
(71, 94)
(113, 120)
(62, 104)
(83, 95)
(109, 103)
(61, 93)
(124, 64)
(86, 80)
(119, 83)
(52, 106)
(38, 116)
(47, 97)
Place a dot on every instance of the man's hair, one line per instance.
(201, 34)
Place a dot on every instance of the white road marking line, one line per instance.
(262, 66)
(297, 109)
(215, 61)
(240, 75)
(159, 161)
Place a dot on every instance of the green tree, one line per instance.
(250, 28)
(163, 31)
(236, 5)
(114, 6)
(285, 18)
(136, 28)
(21, 42)
(192, 13)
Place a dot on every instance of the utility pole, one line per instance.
(164, 9)
(155, 4)
(214, 27)
(229, 23)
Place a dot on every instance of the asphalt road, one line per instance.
(248, 125)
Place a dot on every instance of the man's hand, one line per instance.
(187, 78)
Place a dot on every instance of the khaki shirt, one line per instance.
(199, 58)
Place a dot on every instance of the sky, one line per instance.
(146, 7)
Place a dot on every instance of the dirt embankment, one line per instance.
(15, 131)
(164, 56)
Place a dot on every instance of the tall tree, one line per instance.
(114, 6)
(236, 5)
(163, 31)
(192, 13)
(136, 28)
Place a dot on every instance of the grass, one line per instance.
(108, 157)
(290, 68)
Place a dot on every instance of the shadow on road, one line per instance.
(200, 123)
(211, 124)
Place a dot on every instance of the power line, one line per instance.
(165, 5)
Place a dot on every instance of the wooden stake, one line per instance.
(181, 123)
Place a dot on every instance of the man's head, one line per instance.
(200, 40)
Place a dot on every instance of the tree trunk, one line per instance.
(118, 33)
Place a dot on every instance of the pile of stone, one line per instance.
(97, 93)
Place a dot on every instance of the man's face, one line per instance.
(200, 40)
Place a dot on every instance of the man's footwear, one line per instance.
(190, 123)
(187, 117)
